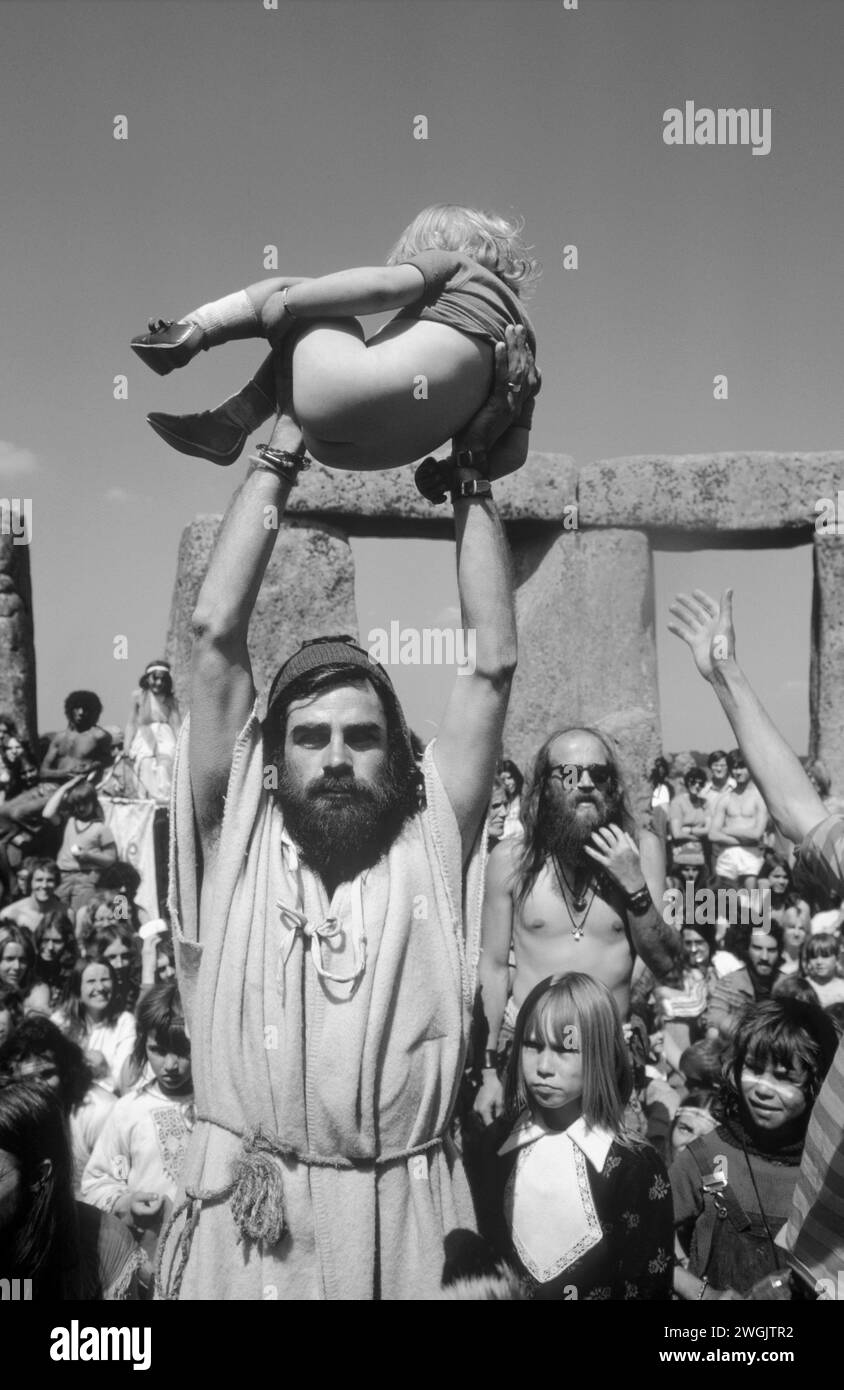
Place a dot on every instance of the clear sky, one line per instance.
(293, 126)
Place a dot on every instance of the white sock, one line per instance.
(233, 316)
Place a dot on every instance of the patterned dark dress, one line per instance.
(625, 1197)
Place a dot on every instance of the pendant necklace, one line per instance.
(580, 902)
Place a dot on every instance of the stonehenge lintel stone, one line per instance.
(709, 492)
(308, 590)
(539, 492)
(17, 643)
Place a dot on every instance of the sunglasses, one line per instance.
(600, 773)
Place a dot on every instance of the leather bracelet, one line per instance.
(467, 489)
(282, 464)
(639, 902)
(490, 1060)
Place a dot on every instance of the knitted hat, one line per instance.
(339, 650)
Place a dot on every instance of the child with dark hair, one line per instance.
(134, 1169)
(733, 1188)
(39, 1051)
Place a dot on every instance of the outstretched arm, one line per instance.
(469, 741)
(707, 629)
(222, 691)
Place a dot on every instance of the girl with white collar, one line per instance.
(582, 1209)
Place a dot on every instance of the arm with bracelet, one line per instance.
(222, 688)
(469, 741)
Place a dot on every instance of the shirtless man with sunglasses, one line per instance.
(577, 893)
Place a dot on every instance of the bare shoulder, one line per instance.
(503, 866)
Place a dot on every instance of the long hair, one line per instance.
(781, 1033)
(12, 935)
(493, 241)
(167, 679)
(43, 1241)
(160, 1018)
(575, 1006)
(129, 981)
(75, 1011)
(533, 851)
(507, 765)
(57, 974)
(37, 1036)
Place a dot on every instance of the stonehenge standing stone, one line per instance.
(308, 590)
(826, 735)
(587, 650)
(17, 644)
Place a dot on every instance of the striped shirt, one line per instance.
(815, 1232)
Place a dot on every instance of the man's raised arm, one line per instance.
(469, 741)
(707, 629)
(222, 691)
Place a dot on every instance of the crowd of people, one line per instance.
(437, 1029)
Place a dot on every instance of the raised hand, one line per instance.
(706, 627)
(618, 855)
(516, 378)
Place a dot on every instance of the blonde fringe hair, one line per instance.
(561, 1003)
(493, 241)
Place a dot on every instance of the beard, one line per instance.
(567, 821)
(341, 825)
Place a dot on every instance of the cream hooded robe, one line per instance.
(353, 1077)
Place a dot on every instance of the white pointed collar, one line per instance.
(593, 1142)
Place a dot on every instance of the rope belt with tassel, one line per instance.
(256, 1191)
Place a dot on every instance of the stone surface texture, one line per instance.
(708, 492)
(587, 651)
(308, 591)
(538, 492)
(17, 643)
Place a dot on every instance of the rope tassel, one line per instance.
(257, 1200)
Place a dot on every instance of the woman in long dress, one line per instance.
(152, 731)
